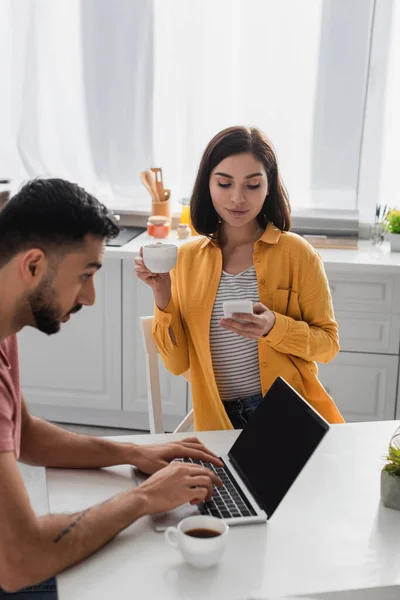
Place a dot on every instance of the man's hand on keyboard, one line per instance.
(152, 458)
(176, 484)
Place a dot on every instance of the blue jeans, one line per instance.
(241, 411)
(43, 591)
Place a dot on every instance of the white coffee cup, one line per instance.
(200, 552)
(160, 258)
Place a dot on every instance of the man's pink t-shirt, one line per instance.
(10, 397)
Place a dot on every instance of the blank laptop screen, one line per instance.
(276, 444)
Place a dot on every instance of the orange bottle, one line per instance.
(185, 214)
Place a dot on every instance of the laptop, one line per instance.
(284, 431)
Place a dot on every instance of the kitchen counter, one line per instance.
(132, 248)
(366, 258)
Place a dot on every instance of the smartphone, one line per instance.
(237, 306)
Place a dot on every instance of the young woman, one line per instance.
(241, 207)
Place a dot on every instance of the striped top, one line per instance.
(234, 358)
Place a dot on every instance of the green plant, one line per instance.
(391, 221)
(392, 465)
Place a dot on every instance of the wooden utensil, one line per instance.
(144, 179)
(159, 182)
(151, 179)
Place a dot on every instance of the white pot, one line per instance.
(394, 242)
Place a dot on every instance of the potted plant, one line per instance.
(392, 224)
(390, 479)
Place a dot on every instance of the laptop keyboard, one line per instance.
(227, 501)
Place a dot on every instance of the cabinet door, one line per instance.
(81, 365)
(362, 385)
(138, 302)
(360, 292)
(396, 295)
(378, 333)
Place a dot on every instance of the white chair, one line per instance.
(153, 382)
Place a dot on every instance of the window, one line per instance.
(298, 70)
(98, 90)
(389, 182)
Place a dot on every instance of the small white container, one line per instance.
(394, 239)
(184, 231)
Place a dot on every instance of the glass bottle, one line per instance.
(185, 211)
(185, 214)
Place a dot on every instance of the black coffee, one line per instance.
(203, 533)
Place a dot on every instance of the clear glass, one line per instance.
(378, 234)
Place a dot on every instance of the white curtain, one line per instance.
(390, 165)
(97, 90)
(76, 99)
(297, 70)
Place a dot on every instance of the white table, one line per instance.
(329, 533)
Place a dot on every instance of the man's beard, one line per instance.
(45, 308)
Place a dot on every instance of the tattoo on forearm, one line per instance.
(71, 526)
(78, 518)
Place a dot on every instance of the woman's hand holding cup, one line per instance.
(152, 266)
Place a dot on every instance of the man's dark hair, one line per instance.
(53, 215)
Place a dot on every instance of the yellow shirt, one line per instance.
(292, 283)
